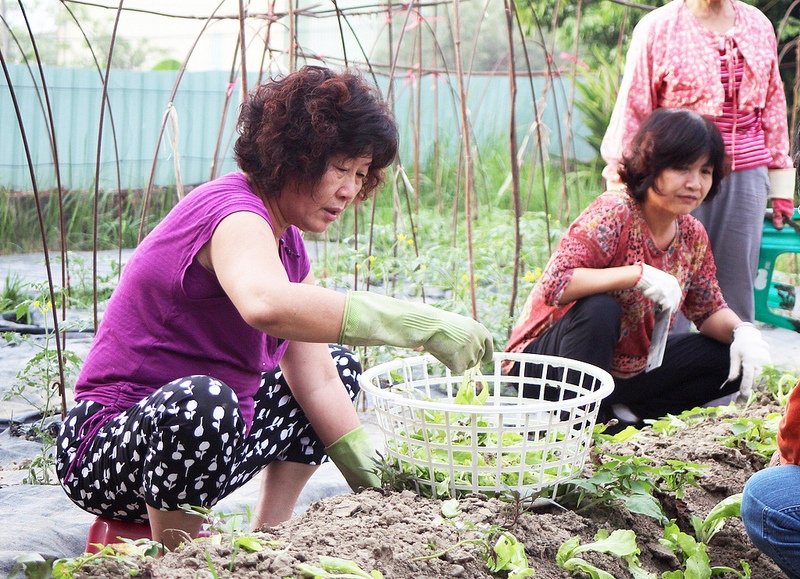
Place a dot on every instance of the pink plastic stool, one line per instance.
(107, 531)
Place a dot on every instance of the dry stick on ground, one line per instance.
(60, 338)
(42, 229)
(512, 150)
(178, 78)
(467, 152)
(537, 125)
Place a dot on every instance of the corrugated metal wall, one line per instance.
(138, 100)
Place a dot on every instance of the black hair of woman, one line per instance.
(672, 138)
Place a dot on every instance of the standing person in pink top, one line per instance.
(718, 58)
(212, 362)
(633, 254)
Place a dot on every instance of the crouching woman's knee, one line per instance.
(771, 515)
(204, 404)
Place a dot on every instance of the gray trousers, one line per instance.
(734, 220)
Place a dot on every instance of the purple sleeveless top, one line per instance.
(169, 317)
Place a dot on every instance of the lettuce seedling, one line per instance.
(330, 567)
(621, 543)
(508, 554)
(706, 528)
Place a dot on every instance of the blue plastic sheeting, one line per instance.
(138, 100)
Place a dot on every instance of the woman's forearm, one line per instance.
(586, 281)
(720, 325)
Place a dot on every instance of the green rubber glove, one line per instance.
(372, 319)
(355, 457)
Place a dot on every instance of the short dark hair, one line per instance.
(289, 129)
(671, 138)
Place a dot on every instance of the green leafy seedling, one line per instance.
(450, 508)
(677, 475)
(779, 383)
(621, 543)
(706, 528)
(759, 435)
(336, 568)
(126, 553)
(694, 555)
(508, 555)
(30, 566)
(622, 479)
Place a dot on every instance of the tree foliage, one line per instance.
(59, 35)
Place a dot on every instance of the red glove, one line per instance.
(781, 208)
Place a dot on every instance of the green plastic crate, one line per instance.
(770, 294)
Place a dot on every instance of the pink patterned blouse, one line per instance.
(674, 61)
(612, 232)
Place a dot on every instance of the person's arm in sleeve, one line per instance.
(789, 430)
(314, 381)
(243, 254)
(782, 175)
(637, 98)
(580, 265)
(773, 118)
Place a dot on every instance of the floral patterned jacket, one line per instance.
(673, 62)
(612, 232)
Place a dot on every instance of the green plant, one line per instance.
(80, 293)
(42, 466)
(621, 543)
(336, 568)
(706, 527)
(757, 434)
(229, 526)
(694, 555)
(692, 550)
(127, 555)
(14, 292)
(597, 92)
(30, 566)
(779, 383)
(508, 555)
(37, 382)
(118, 217)
(670, 423)
(616, 478)
(677, 475)
(210, 564)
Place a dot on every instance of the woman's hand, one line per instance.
(459, 342)
(749, 353)
(355, 457)
(661, 287)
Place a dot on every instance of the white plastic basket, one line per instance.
(509, 443)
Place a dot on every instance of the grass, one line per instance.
(19, 223)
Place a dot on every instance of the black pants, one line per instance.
(691, 374)
(186, 444)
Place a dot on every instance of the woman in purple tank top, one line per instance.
(212, 360)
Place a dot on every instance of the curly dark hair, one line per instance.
(289, 129)
(671, 138)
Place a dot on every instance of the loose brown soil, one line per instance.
(400, 533)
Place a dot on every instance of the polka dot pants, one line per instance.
(185, 444)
